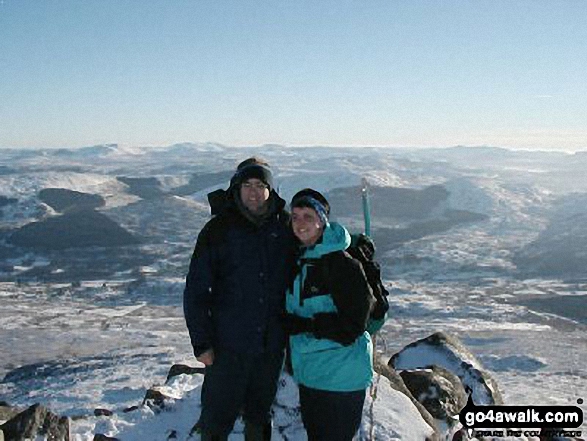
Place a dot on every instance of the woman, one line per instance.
(327, 306)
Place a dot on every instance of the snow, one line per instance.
(103, 343)
(514, 363)
(388, 415)
(394, 417)
(30, 183)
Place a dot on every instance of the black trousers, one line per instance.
(235, 383)
(329, 416)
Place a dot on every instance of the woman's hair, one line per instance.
(312, 199)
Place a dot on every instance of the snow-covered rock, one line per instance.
(36, 420)
(448, 351)
(439, 391)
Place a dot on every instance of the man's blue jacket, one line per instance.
(235, 288)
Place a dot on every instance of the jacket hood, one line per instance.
(335, 238)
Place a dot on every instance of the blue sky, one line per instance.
(319, 72)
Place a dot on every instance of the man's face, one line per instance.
(254, 195)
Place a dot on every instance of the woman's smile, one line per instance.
(306, 225)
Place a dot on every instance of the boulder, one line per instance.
(447, 351)
(8, 412)
(101, 437)
(438, 390)
(155, 398)
(36, 420)
(103, 412)
(180, 369)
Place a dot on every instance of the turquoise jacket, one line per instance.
(340, 307)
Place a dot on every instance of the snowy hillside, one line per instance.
(488, 245)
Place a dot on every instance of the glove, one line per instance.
(330, 326)
(295, 324)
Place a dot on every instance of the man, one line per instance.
(233, 300)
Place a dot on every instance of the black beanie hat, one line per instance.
(252, 168)
(314, 199)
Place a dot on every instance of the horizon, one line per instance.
(379, 74)
(124, 146)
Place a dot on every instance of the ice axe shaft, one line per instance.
(366, 206)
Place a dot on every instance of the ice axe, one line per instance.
(366, 206)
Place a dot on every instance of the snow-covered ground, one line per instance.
(77, 345)
(81, 351)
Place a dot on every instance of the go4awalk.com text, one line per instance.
(554, 421)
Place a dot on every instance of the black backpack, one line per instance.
(362, 248)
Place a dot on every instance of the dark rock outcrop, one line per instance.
(73, 229)
(155, 399)
(438, 390)
(422, 211)
(145, 188)
(202, 181)
(101, 437)
(6, 201)
(180, 369)
(36, 420)
(62, 199)
(449, 352)
(394, 202)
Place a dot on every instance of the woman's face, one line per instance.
(306, 225)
